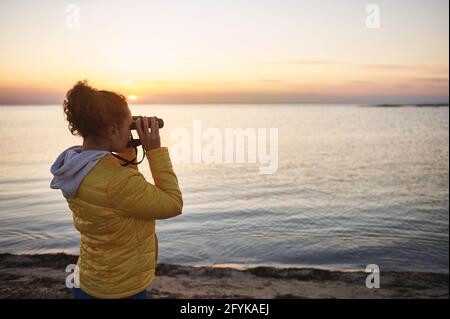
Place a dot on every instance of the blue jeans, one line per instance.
(77, 293)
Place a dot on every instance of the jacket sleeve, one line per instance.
(132, 196)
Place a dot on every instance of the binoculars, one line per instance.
(134, 118)
(136, 142)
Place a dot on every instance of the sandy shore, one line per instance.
(43, 276)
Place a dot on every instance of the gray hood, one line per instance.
(71, 167)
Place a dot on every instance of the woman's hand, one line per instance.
(149, 139)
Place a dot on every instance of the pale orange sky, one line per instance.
(227, 51)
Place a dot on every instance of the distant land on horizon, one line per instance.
(415, 105)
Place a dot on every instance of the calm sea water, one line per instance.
(355, 186)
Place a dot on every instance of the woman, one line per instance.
(114, 208)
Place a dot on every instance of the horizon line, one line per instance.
(444, 103)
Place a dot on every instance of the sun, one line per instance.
(132, 97)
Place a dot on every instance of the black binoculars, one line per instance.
(136, 142)
(134, 118)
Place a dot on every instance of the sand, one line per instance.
(43, 276)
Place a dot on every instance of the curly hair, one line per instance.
(90, 111)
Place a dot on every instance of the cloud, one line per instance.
(433, 80)
(212, 83)
(361, 83)
(436, 70)
(404, 86)
(317, 62)
(439, 68)
(16, 95)
(170, 82)
(387, 66)
(271, 80)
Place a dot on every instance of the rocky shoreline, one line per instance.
(43, 276)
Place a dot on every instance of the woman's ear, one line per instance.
(112, 131)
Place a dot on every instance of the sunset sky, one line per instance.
(229, 51)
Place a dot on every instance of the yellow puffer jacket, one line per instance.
(115, 210)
